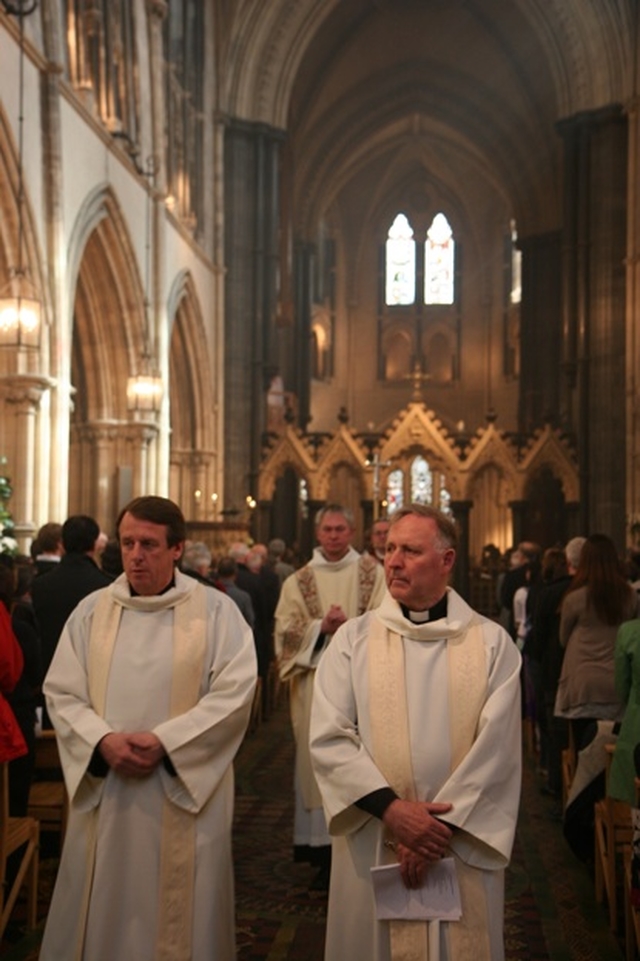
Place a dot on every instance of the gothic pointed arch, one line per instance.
(418, 432)
(193, 452)
(107, 453)
(10, 255)
(24, 375)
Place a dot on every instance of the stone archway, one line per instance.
(108, 457)
(194, 482)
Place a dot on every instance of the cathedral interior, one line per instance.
(260, 254)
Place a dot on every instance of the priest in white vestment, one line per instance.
(150, 692)
(416, 746)
(338, 583)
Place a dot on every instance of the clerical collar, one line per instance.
(172, 583)
(435, 613)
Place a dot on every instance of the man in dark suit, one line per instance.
(56, 593)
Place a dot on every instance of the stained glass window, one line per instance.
(445, 498)
(303, 497)
(400, 263)
(439, 262)
(395, 491)
(516, 267)
(421, 482)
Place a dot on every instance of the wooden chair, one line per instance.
(631, 912)
(613, 834)
(14, 834)
(48, 802)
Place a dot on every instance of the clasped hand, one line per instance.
(333, 619)
(134, 754)
(420, 837)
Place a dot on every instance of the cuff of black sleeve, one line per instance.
(98, 767)
(168, 766)
(320, 643)
(377, 802)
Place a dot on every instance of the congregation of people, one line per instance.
(147, 654)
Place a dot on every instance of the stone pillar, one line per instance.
(156, 12)
(461, 581)
(633, 301)
(518, 509)
(251, 164)
(540, 332)
(22, 395)
(302, 300)
(95, 495)
(595, 241)
(139, 436)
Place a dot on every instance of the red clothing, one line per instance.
(12, 743)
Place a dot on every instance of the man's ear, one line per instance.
(449, 558)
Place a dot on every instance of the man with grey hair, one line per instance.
(415, 740)
(196, 561)
(275, 559)
(336, 584)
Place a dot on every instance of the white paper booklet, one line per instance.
(438, 898)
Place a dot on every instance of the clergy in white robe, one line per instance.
(416, 745)
(146, 869)
(336, 584)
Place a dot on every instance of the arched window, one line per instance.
(439, 262)
(400, 260)
(421, 482)
(395, 491)
(516, 267)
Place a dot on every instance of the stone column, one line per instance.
(595, 239)
(156, 12)
(95, 494)
(22, 395)
(540, 331)
(518, 509)
(139, 436)
(461, 581)
(251, 164)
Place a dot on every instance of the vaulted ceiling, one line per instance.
(380, 91)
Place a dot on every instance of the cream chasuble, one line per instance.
(356, 583)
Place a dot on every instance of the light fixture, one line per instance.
(145, 389)
(20, 307)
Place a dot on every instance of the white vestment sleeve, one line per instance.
(296, 633)
(78, 727)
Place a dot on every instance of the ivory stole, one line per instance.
(178, 842)
(409, 940)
